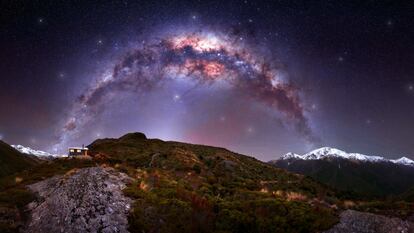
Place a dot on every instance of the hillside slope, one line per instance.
(12, 161)
(182, 187)
(362, 178)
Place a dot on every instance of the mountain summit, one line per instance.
(329, 152)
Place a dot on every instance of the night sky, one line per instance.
(260, 78)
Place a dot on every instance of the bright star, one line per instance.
(61, 75)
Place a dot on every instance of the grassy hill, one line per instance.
(182, 187)
(12, 161)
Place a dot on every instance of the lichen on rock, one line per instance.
(85, 200)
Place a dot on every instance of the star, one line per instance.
(411, 87)
(341, 59)
(389, 23)
(116, 46)
(99, 42)
(61, 75)
(176, 98)
(40, 20)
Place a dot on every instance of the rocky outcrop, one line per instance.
(359, 222)
(84, 200)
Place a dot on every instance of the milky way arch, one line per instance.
(203, 57)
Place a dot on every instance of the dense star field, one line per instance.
(257, 77)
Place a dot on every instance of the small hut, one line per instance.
(78, 151)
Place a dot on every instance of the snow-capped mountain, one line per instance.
(30, 151)
(403, 160)
(370, 175)
(291, 155)
(328, 152)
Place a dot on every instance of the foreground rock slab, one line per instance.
(84, 200)
(360, 222)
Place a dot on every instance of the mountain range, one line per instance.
(38, 153)
(352, 172)
(328, 152)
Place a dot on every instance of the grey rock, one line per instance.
(89, 200)
(360, 222)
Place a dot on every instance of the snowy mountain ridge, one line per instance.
(38, 153)
(328, 152)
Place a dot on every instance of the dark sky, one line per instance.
(258, 77)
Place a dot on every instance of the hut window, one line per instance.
(72, 150)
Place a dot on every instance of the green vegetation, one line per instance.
(183, 211)
(191, 188)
